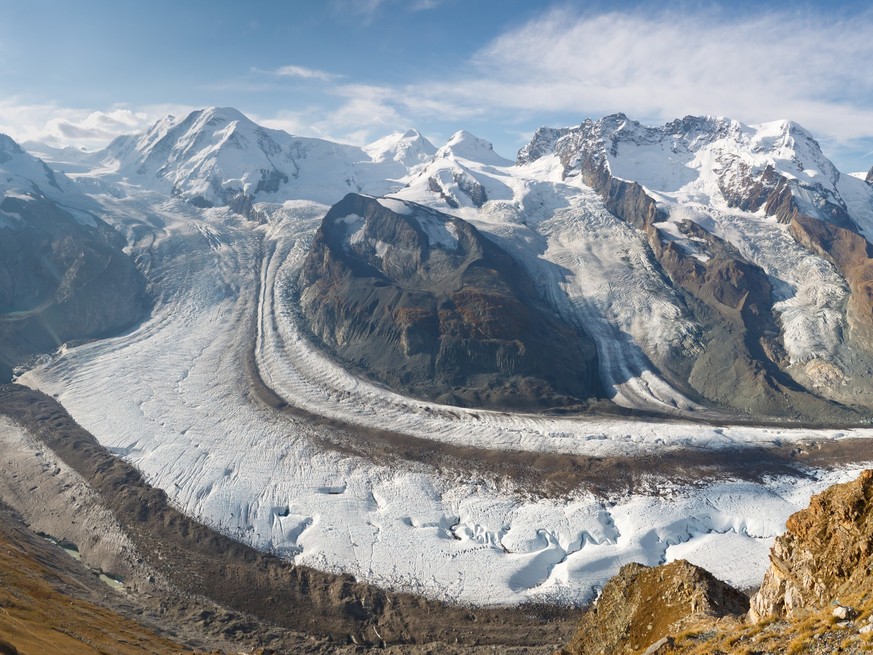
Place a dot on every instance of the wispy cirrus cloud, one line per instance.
(370, 7)
(807, 66)
(364, 112)
(302, 72)
(258, 80)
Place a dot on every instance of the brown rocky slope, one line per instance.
(424, 303)
(52, 604)
(825, 554)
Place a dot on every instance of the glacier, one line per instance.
(174, 396)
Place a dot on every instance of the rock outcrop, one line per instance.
(852, 255)
(641, 607)
(424, 303)
(825, 554)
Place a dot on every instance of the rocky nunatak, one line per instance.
(422, 302)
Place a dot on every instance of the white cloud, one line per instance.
(62, 126)
(304, 73)
(807, 67)
(364, 113)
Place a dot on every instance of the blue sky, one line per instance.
(353, 70)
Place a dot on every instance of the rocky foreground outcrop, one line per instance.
(825, 555)
(642, 606)
(817, 596)
(422, 302)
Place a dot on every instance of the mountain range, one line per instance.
(715, 266)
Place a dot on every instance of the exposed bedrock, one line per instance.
(773, 192)
(61, 280)
(825, 555)
(640, 605)
(831, 234)
(851, 254)
(425, 304)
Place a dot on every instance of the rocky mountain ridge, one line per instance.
(63, 272)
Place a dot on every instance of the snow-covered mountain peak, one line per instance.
(22, 174)
(793, 149)
(224, 114)
(218, 156)
(409, 148)
(8, 147)
(464, 145)
(690, 133)
(711, 160)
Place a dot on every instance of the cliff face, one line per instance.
(825, 554)
(423, 302)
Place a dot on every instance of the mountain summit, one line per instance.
(218, 156)
(408, 148)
